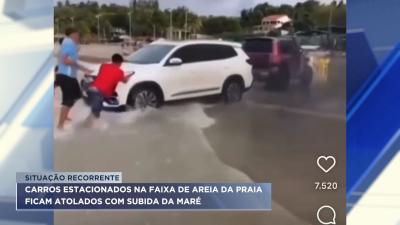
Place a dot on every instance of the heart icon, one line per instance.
(326, 163)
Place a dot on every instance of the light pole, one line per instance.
(170, 25)
(130, 24)
(331, 8)
(186, 23)
(98, 27)
(330, 19)
(154, 32)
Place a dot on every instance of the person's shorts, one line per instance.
(70, 89)
(96, 101)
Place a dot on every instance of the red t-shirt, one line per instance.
(107, 80)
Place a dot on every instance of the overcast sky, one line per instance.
(210, 7)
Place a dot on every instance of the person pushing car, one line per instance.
(103, 87)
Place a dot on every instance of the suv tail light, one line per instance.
(275, 57)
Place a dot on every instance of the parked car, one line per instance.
(167, 71)
(276, 60)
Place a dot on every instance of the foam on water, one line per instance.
(192, 114)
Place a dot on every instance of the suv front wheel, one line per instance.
(144, 97)
(232, 91)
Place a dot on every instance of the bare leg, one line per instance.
(63, 117)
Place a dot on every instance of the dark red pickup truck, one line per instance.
(277, 60)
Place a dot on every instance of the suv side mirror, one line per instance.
(175, 62)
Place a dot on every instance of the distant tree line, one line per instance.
(147, 20)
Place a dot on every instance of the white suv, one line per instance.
(167, 71)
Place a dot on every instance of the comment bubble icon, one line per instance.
(326, 215)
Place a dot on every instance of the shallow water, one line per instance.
(166, 145)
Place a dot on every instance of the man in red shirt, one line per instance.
(104, 86)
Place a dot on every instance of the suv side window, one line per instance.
(185, 53)
(258, 45)
(285, 47)
(288, 47)
(221, 52)
(204, 52)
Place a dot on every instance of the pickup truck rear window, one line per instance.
(258, 45)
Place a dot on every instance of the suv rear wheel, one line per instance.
(144, 97)
(280, 80)
(306, 76)
(232, 91)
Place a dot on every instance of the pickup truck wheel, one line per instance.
(280, 80)
(306, 76)
(232, 91)
(142, 98)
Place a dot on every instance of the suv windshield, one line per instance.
(151, 54)
(262, 45)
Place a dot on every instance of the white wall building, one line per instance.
(274, 22)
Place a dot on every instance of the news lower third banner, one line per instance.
(105, 191)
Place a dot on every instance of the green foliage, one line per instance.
(147, 18)
(218, 25)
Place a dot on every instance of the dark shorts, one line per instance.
(71, 91)
(96, 101)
